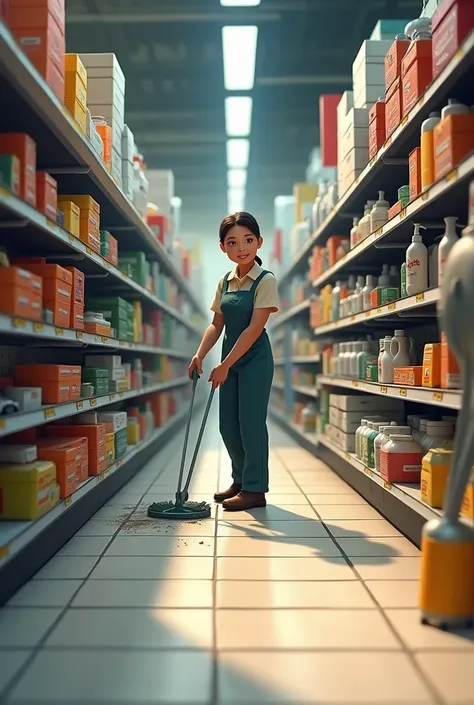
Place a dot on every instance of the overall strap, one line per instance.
(225, 284)
(258, 280)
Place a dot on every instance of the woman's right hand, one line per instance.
(195, 364)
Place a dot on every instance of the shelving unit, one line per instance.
(66, 154)
(417, 315)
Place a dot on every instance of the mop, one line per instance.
(182, 508)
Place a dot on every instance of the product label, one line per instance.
(400, 467)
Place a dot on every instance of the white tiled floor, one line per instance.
(312, 600)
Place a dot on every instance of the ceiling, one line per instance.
(171, 54)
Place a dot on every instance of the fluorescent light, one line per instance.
(238, 116)
(239, 49)
(238, 154)
(240, 3)
(235, 200)
(236, 178)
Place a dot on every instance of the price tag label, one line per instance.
(104, 340)
(378, 232)
(392, 306)
(347, 456)
(79, 335)
(121, 395)
(379, 311)
(403, 392)
(38, 326)
(68, 501)
(368, 314)
(421, 102)
(452, 176)
(71, 237)
(111, 397)
(103, 475)
(459, 54)
(372, 161)
(19, 323)
(388, 142)
(49, 413)
(404, 121)
(89, 251)
(79, 405)
(355, 383)
(353, 317)
(420, 297)
(438, 396)
(402, 214)
(387, 486)
(2, 423)
(4, 551)
(59, 331)
(383, 390)
(106, 264)
(51, 223)
(121, 343)
(368, 472)
(425, 195)
(93, 401)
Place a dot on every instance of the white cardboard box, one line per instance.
(116, 166)
(354, 138)
(104, 65)
(103, 361)
(366, 403)
(18, 453)
(127, 178)
(369, 95)
(105, 91)
(27, 398)
(356, 117)
(345, 441)
(117, 419)
(371, 51)
(128, 144)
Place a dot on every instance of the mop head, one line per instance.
(174, 510)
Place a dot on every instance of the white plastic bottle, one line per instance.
(354, 237)
(416, 260)
(379, 213)
(385, 362)
(364, 223)
(366, 291)
(384, 279)
(450, 238)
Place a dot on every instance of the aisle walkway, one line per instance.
(312, 600)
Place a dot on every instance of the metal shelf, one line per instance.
(290, 313)
(394, 308)
(379, 172)
(60, 243)
(446, 398)
(447, 195)
(63, 149)
(307, 391)
(21, 421)
(300, 360)
(15, 535)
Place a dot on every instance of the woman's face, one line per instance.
(240, 245)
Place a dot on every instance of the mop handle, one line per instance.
(198, 442)
(188, 426)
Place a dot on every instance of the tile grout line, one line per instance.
(432, 690)
(40, 644)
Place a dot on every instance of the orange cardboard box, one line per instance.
(450, 373)
(80, 443)
(77, 317)
(393, 108)
(377, 114)
(376, 140)
(24, 148)
(45, 47)
(410, 376)
(393, 61)
(74, 65)
(394, 210)
(98, 329)
(46, 195)
(47, 271)
(35, 7)
(54, 392)
(58, 291)
(19, 277)
(95, 433)
(67, 458)
(84, 203)
(75, 88)
(417, 51)
(16, 301)
(113, 251)
(74, 391)
(61, 312)
(98, 460)
(29, 375)
(89, 230)
(78, 285)
(332, 244)
(415, 82)
(414, 172)
(453, 139)
(432, 365)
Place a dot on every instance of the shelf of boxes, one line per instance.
(15, 535)
(385, 147)
(446, 398)
(286, 316)
(378, 171)
(64, 150)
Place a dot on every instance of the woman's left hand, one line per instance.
(218, 375)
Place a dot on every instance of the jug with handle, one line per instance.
(402, 349)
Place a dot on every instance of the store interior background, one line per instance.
(171, 54)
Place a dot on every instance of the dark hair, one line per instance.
(244, 219)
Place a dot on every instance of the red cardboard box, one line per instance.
(24, 148)
(393, 108)
(452, 21)
(328, 128)
(393, 61)
(46, 195)
(414, 173)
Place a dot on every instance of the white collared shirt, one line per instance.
(266, 294)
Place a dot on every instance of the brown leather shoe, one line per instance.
(233, 491)
(245, 500)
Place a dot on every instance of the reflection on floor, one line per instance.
(312, 600)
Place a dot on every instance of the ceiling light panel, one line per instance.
(240, 3)
(236, 178)
(237, 153)
(238, 116)
(239, 50)
(235, 200)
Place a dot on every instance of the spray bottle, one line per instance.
(416, 260)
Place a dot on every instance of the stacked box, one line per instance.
(352, 141)
(161, 189)
(368, 72)
(76, 90)
(106, 98)
(136, 263)
(117, 311)
(128, 154)
(121, 442)
(98, 377)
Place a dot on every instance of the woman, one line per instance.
(244, 300)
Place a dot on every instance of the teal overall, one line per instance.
(245, 394)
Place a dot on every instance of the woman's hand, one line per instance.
(195, 364)
(218, 375)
